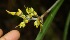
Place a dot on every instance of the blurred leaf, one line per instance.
(49, 20)
(66, 27)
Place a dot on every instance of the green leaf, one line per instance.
(66, 27)
(49, 20)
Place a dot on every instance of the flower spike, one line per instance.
(26, 18)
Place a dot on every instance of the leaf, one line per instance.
(49, 20)
(66, 27)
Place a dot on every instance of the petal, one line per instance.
(35, 13)
(23, 16)
(31, 9)
(36, 24)
(26, 21)
(19, 11)
(12, 13)
(32, 14)
(27, 10)
(22, 24)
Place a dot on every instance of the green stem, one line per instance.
(42, 16)
(66, 27)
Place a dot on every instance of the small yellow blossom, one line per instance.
(27, 10)
(12, 13)
(35, 13)
(31, 10)
(25, 20)
(30, 15)
(19, 12)
(38, 23)
(23, 16)
(41, 25)
(22, 24)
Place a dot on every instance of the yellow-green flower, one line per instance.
(23, 16)
(15, 13)
(26, 18)
(22, 24)
(12, 13)
(31, 14)
(38, 23)
(29, 10)
(35, 13)
(26, 21)
(19, 12)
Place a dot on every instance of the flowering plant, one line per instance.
(26, 18)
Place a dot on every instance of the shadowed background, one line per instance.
(8, 22)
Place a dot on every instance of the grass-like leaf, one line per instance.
(66, 27)
(49, 20)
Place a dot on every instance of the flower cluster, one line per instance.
(38, 23)
(26, 18)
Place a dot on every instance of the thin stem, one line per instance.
(50, 9)
(33, 18)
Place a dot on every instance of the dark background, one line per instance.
(55, 32)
